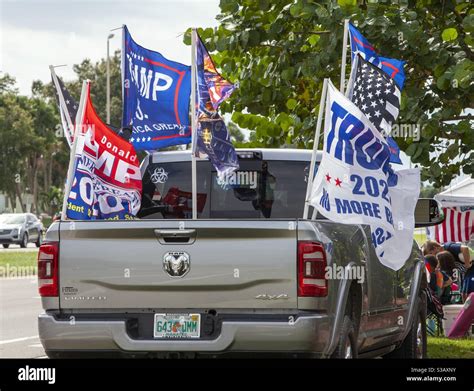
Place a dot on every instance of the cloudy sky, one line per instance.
(37, 33)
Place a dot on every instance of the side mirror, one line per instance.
(428, 213)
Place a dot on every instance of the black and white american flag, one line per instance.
(376, 94)
(68, 114)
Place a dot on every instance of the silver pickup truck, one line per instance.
(248, 277)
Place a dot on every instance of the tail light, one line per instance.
(312, 270)
(48, 264)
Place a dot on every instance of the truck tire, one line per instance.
(347, 345)
(5, 245)
(24, 240)
(414, 345)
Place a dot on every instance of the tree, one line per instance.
(34, 152)
(280, 51)
(98, 76)
(16, 132)
(236, 135)
(34, 155)
(52, 199)
(429, 191)
(96, 73)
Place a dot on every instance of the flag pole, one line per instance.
(315, 148)
(193, 124)
(70, 171)
(63, 107)
(122, 71)
(344, 55)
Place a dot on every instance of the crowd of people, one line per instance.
(450, 271)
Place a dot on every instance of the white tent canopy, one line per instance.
(460, 194)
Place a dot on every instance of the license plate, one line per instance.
(177, 326)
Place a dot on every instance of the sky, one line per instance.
(37, 33)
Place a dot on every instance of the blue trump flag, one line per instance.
(394, 151)
(156, 95)
(391, 66)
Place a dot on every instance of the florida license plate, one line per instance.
(177, 326)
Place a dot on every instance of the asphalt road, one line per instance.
(20, 305)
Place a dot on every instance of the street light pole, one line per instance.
(108, 78)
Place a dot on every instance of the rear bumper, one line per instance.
(308, 334)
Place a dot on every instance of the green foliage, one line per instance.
(96, 73)
(280, 51)
(450, 348)
(449, 34)
(18, 259)
(31, 150)
(236, 135)
(429, 191)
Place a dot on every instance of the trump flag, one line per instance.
(107, 182)
(355, 183)
(213, 138)
(156, 95)
(391, 66)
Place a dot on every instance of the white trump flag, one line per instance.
(355, 183)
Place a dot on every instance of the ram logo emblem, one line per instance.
(176, 263)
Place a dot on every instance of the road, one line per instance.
(20, 305)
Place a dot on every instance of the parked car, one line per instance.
(20, 228)
(247, 277)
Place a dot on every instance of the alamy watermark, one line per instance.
(37, 374)
(239, 179)
(407, 131)
(338, 272)
(13, 271)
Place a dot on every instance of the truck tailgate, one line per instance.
(232, 264)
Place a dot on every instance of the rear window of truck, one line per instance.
(259, 189)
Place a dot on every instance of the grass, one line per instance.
(450, 348)
(15, 263)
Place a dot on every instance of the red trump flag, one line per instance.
(107, 181)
